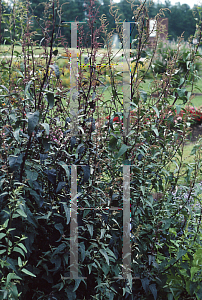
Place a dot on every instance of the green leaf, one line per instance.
(142, 189)
(181, 92)
(19, 262)
(5, 88)
(11, 276)
(103, 230)
(55, 52)
(15, 161)
(105, 269)
(199, 293)
(153, 289)
(16, 134)
(2, 235)
(178, 108)
(22, 246)
(83, 252)
(67, 212)
(156, 110)
(155, 130)
(89, 268)
(33, 119)
(77, 282)
(1, 182)
(145, 284)
(143, 95)
(31, 175)
(170, 296)
(46, 127)
(65, 167)
(182, 80)
(50, 99)
(110, 253)
(188, 95)
(90, 229)
(123, 149)
(181, 253)
(59, 249)
(21, 213)
(86, 212)
(56, 70)
(14, 292)
(6, 222)
(20, 73)
(104, 253)
(19, 250)
(27, 89)
(2, 251)
(28, 272)
(86, 175)
(60, 186)
(193, 271)
(46, 143)
(112, 143)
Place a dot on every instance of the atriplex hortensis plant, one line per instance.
(37, 150)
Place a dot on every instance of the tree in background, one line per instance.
(180, 17)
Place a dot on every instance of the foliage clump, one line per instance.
(38, 155)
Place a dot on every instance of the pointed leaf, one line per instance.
(2, 235)
(43, 157)
(19, 262)
(23, 247)
(28, 272)
(19, 250)
(65, 167)
(60, 186)
(123, 149)
(104, 253)
(156, 110)
(56, 70)
(145, 284)
(31, 175)
(11, 276)
(5, 88)
(67, 212)
(155, 130)
(77, 282)
(90, 229)
(50, 98)
(153, 289)
(16, 134)
(21, 213)
(33, 119)
(86, 171)
(112, 143)
(178, 109)
(46, 127)
(72, 142)
(181, 253)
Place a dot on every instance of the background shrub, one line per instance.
(38, 150)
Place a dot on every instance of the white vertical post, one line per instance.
(73, 226)
(73, 81)
(126, 254)
(126, 77)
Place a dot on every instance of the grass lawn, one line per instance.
(187, 158)
(197, 101)
(7, 49)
